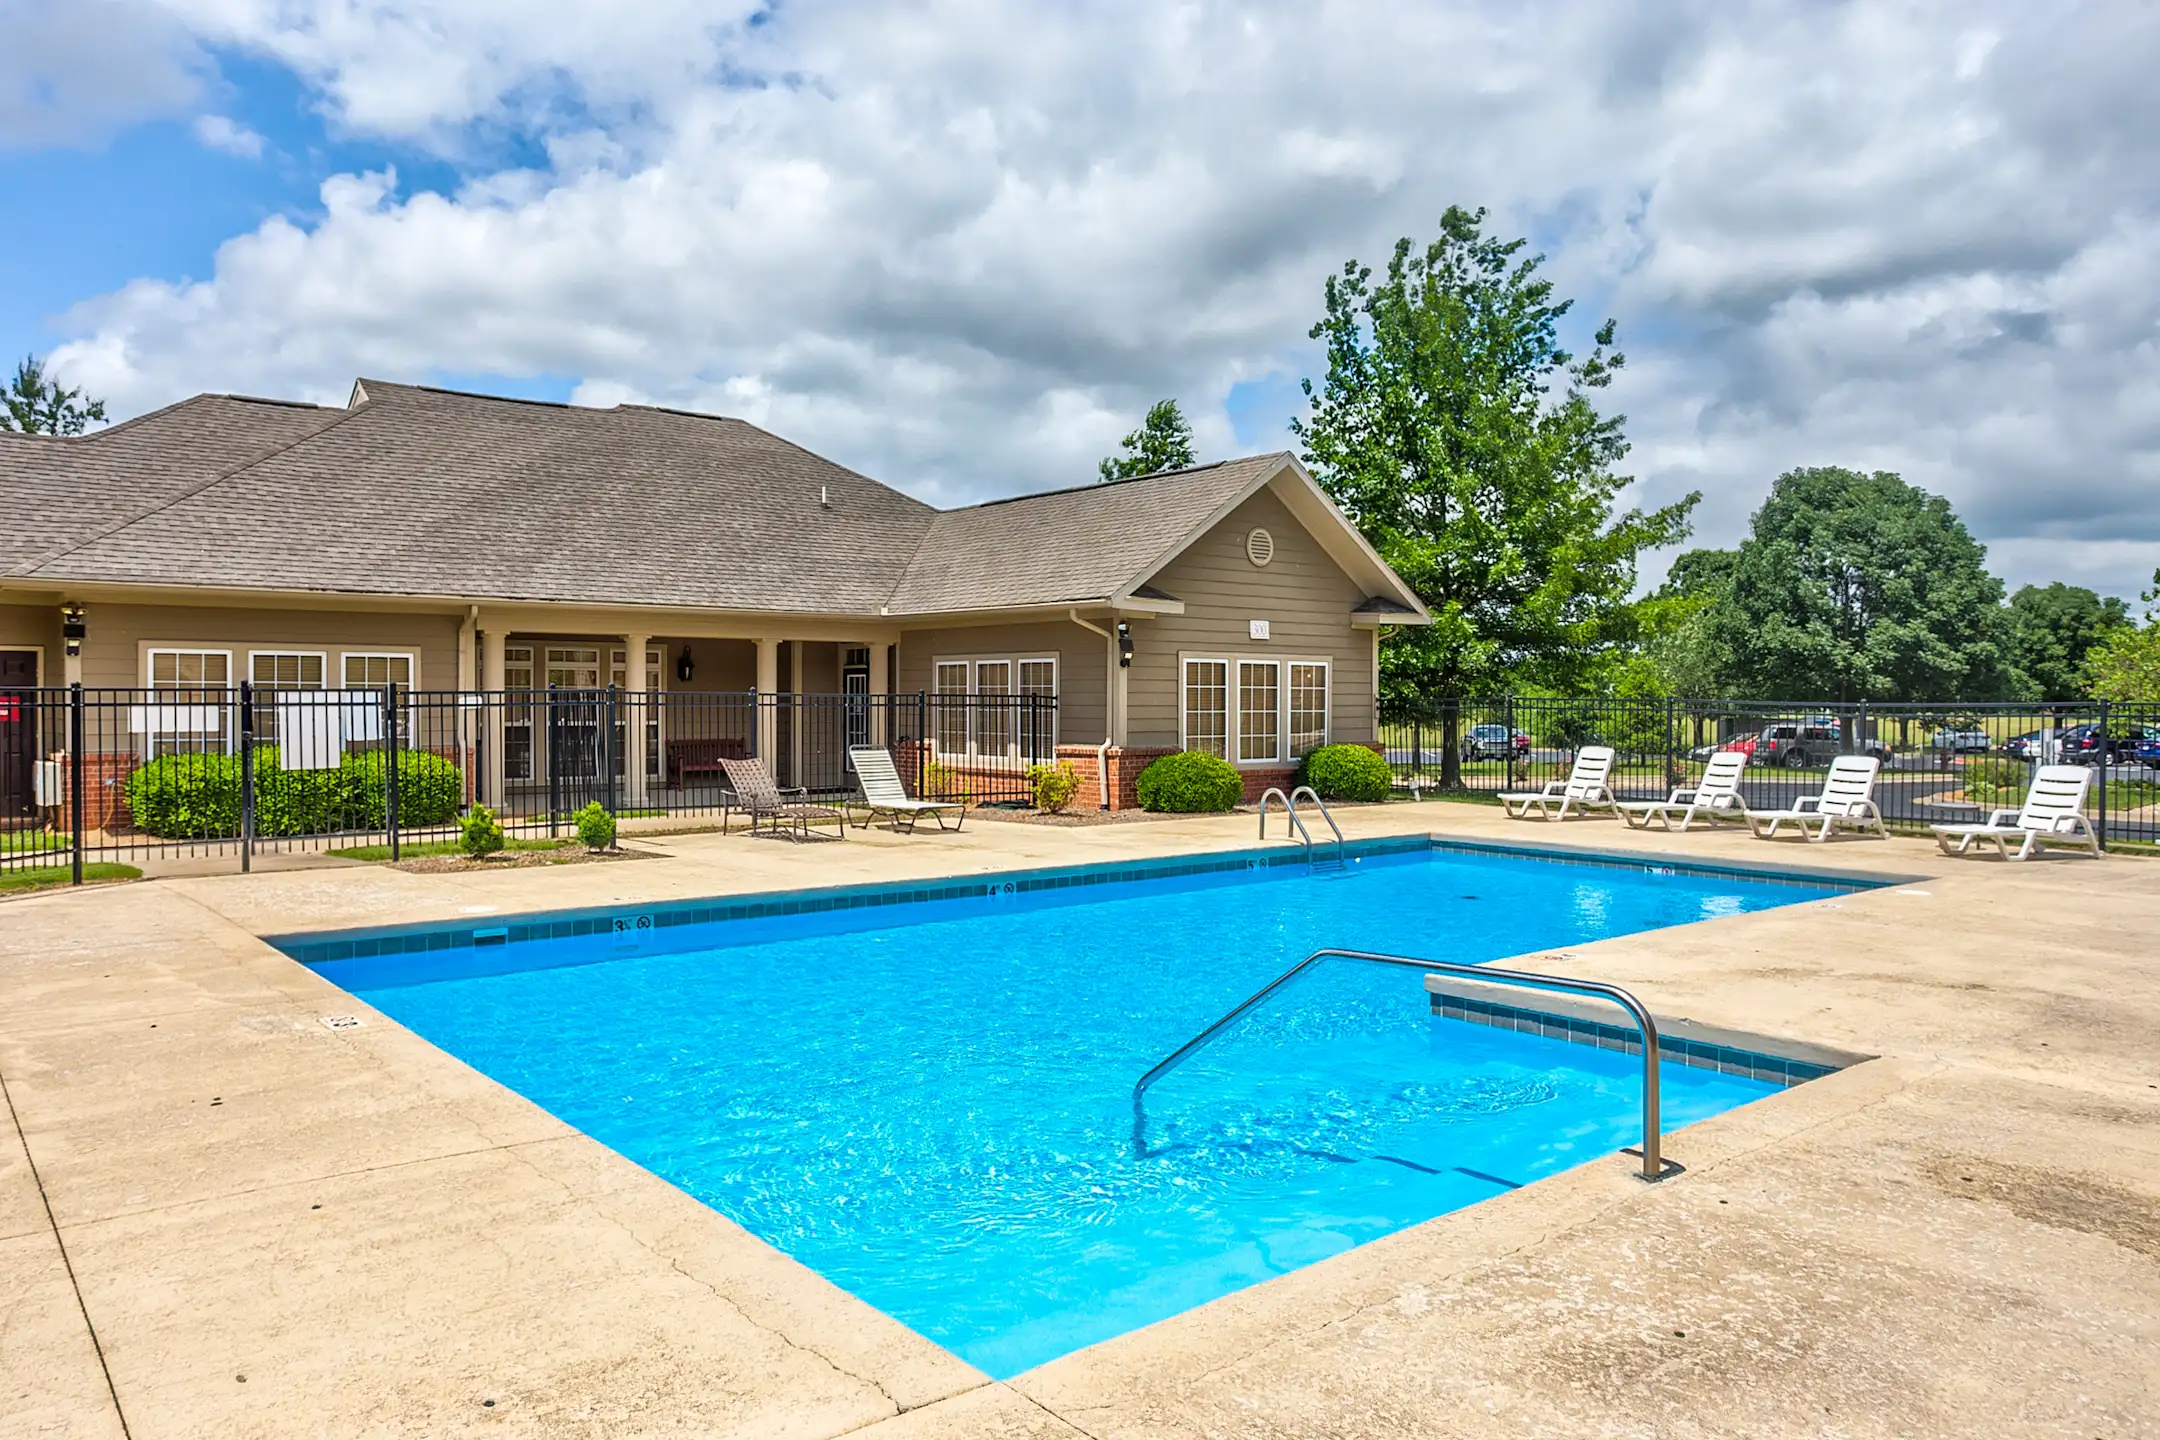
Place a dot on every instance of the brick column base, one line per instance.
(1125, 764)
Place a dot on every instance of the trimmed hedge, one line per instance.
(1345, 772)
(197, 797)
(1190, 782)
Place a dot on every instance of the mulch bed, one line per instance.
(517, 860)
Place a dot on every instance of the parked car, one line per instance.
(2148, 747)
(2082, 745)
(1961, 742)
(1494, 742)
(2028, 746)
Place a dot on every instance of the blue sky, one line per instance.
(962, 246)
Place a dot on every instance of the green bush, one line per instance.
(595, 827)
(1992, 779)
(1190, 782)
(481, 834)
(179, 797)
(1345, 772)
(1055, 786)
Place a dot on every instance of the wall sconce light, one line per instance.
(73, 629)
(683, 667)
(1124, 645)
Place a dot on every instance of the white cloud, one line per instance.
(220, 132)
(73, 73)
(962, 246)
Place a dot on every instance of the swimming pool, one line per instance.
(924, 1093)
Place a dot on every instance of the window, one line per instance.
(1207, 706)
(951, 727)
(373, 671)
(1280, 711)
(1308, 706)
(654, 683)
(1259, 710)
(196, 719)
(273, 671)
(1000, 707)
(517, 712)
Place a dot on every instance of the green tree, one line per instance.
(2052, 629)
(1861, 587)
(1460, 436)
(35, 403)
(1681, 642)
(2125, 666)
(1163, 442)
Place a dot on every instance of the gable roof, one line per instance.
(412, 491)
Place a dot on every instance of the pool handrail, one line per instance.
(1654, 1166)
(1290, 804)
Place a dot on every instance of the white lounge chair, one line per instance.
(1587, 785)
(1847, 801)
(2054, 810)
(1716, 796)
(883, 794)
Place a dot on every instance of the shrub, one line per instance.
(1055, 786)
(942, 782)
(1345, 772)
(595, 827)
(1190, 782)
(481, 834)
(1993, 778)
(177, 797)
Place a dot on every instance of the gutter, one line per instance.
(1102, 751)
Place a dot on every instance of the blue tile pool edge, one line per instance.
(1673, 1048)
(315, 947)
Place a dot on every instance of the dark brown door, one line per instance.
(18, 732)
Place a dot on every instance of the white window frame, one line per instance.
(224, 740)
(1015, 662)
(1184, 692)
(1233, 740)
(1274, 668)
(1327, 704)
(285, 654)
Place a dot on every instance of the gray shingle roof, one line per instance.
(414, 491)
(427, 492)
(60, 492)
(1068, 545)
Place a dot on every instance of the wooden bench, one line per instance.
(699, 757)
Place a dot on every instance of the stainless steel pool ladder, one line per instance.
(1654, 1166)
(1297, 826)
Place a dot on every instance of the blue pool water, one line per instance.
(930, 1103)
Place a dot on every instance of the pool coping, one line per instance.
(364, 942)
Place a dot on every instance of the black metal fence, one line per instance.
(1945, 763)
(96, 775)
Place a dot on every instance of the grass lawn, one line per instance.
(32, 842)
(418, 850)
(45, 877)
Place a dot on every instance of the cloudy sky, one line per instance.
(961, 246)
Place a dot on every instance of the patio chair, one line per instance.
(1714, 797)
(752, 790)
(883, 794)
(1586, 786)
(1847, 800)
(2054, 810)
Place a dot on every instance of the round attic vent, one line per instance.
(1259, 546)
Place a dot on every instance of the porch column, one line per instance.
(795, 712)
(492, 680)
(636, 703)
(880, 682)
(768, 685)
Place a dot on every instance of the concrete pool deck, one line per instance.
(202, 1182)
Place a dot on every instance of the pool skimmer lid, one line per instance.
(342, 1022)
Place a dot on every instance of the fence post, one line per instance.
(75, 775)
(390, 767)
(1510, 744)
(922, 737)
(1672, 718)
(2107, 753)
(247, 776)
(1860, 745)
(614, 780)
(554, 764)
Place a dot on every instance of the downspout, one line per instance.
(1102, 751)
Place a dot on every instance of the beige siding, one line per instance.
(1080, 655)
(1302, 594)
(121, 634)
(34, 627)
(715, 665)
